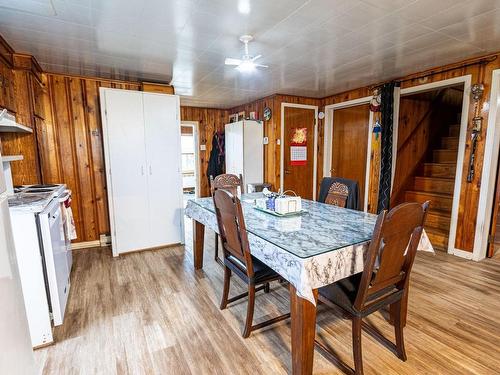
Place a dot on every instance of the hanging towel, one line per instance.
(70, 221)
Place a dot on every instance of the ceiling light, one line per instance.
(246, 66)
(244, 6)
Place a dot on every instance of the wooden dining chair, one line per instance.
(337, 194)
(238, 259)
(385, 277)
(229, 182)
(340, 192)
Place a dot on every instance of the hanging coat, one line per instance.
(216, 162)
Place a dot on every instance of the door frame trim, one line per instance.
(197, 170)
(282, 142)
(328, 140)
(466, 81)
(488, 176)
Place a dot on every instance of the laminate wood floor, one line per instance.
(150, 313)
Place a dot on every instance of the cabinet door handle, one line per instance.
(287, 171)
(142, 170)
(150, 170)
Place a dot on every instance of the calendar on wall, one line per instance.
(298, 146)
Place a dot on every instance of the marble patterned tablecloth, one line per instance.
(323, 246)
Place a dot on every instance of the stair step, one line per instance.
(454, 130)
(434, 184)
(449, 143)
(438, 220)
(438, 238)
(438, 201)
(444, 156)
(446, 170)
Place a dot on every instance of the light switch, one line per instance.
(278, 142)
(266, 140)
(203, 147)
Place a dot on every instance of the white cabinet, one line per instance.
(143, 165)
(244, 149)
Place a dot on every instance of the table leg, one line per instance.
(198, 242)
(303, 331)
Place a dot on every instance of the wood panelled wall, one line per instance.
(67, 146)
(481, 70)
(71, 147)
(272, 130)
(414, 138)
(20, 95)
(209, 120)
(421, 123)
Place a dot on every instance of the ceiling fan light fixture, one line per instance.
(246, 66)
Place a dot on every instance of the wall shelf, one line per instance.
(7, 171)
(9, 158)
(13, 127)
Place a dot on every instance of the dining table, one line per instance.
(315, 248)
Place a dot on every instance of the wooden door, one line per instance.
(350, 145)
(164, 172)
(299, 172)
(494, 237)
(125, 152)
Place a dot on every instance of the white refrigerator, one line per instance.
(16, 354)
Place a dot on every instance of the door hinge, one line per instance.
(51, 316)
(491, 238)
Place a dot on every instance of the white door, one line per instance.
(16, 354)
(253, 152)
(126, 169)
(234, 148)
(163, 153)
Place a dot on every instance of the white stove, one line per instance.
(44, 255)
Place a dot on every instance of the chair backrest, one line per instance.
(227, 181)
(393, 246)
(340, 192)
(337, 194)
(232, 228)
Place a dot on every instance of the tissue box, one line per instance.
(286, 205)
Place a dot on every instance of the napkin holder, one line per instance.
(286, 205)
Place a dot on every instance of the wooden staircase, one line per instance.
(435, 181)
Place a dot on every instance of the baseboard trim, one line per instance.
(462, 254)
(85, 245)
(150, 248)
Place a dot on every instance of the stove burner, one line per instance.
(42, 186)
(37, 190)
(20, 200)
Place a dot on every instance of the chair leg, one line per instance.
(356, 345)
(225, 291)
(267, 289)
(250, 308)
(216, 246)
(399, 326)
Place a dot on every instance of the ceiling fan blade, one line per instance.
(256, 57)
(230, 61)
(261, 66)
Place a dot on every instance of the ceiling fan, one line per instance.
(247, 62)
